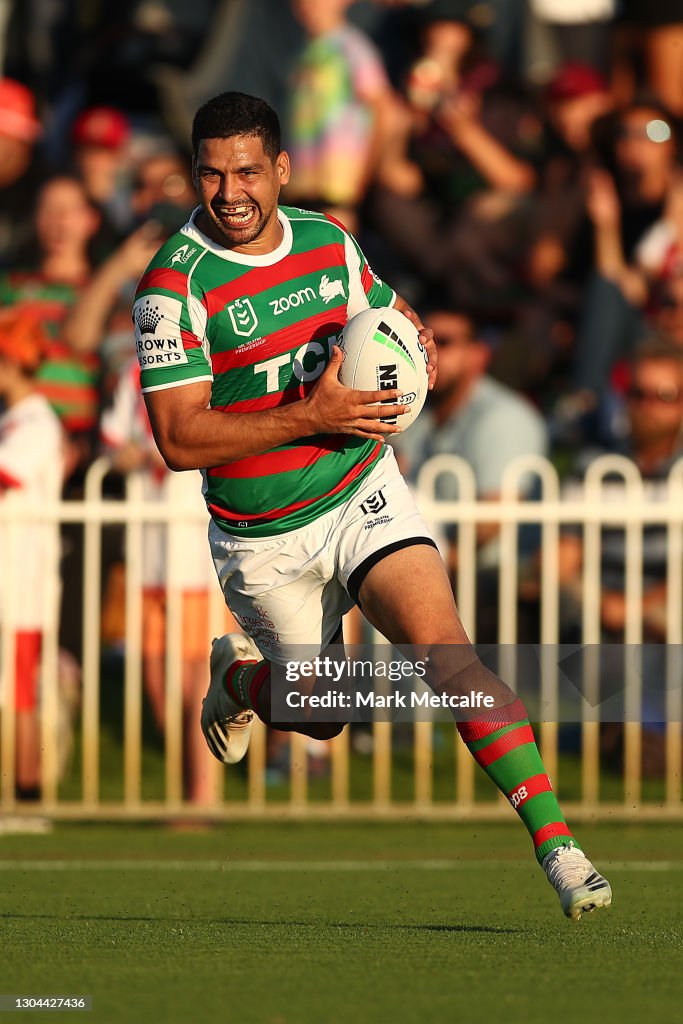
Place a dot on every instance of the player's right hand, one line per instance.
(336, 409)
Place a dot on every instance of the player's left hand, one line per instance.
(427, 339)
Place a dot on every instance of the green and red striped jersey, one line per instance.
(69, 380)
(261, 329)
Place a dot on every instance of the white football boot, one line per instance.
(580, 887)
(226, 725)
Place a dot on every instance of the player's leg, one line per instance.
(420, 611)
(283, 594)
(241, 687)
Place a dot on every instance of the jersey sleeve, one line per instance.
(170, 331)
(366, 289)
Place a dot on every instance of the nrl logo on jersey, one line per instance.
(182, 255)
(242, 316)
(328, 289)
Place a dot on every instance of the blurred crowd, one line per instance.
(512, 167)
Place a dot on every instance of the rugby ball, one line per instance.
(382, 351)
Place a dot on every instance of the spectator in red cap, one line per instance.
(104, 127)
(19, 119)
(100, 138)
(576, 96)
(19, 175)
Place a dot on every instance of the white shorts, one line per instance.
(291, 590)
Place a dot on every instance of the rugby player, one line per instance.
(235, 323)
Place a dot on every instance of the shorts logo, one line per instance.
(182, 255)
(243, 317)
(374, 503)
(378, 521)
(329, 289)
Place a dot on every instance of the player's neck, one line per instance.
(268, 241)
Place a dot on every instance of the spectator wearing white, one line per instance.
(31, 466)
(100, 137)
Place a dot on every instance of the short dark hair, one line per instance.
(236, 113)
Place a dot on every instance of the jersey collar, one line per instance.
(266, 260)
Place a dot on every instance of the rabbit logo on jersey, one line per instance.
(158, 341)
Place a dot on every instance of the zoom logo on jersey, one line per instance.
(374, 503)
(291, 301)
(242, 316)
(158, 341)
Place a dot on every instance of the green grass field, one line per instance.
(323, 923)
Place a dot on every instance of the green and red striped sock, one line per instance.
(244, 680)
(502, 743)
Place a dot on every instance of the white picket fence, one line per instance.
(588, 508)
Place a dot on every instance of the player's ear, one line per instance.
(283, 168)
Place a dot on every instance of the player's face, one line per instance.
(238, 186)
